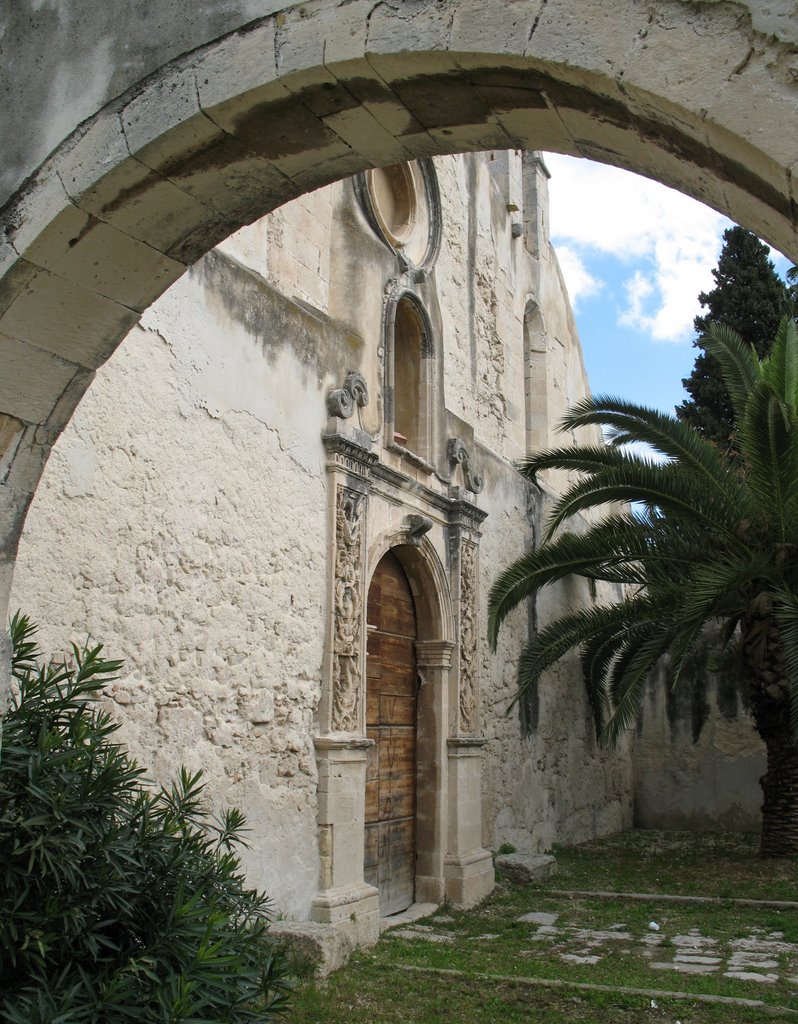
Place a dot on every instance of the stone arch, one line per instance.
(229, 117)
(428, 581)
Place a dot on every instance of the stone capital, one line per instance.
(434, 653)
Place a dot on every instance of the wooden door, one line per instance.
(391, 688)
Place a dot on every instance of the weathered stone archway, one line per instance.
(216, 121)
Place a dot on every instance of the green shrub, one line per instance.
(118, 902)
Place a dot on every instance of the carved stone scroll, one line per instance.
(417, 526)
(354, 393)
(458, 452)
(468, 637)
(348, 608)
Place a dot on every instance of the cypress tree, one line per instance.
(748, 296)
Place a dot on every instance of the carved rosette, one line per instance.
(348, 607)
(468, 637)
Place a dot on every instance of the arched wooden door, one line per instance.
(391, 707)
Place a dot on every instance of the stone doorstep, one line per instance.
(413, 913)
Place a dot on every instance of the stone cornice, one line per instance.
(349, 449)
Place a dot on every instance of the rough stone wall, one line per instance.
(164, 529)
(182, 516)
(697, 755)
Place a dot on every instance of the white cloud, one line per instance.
(579, 281)
(673, 240)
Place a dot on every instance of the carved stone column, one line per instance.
(344, 899)
(434, 660)
(468, 868)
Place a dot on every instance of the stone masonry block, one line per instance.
(480, 26)
(300, 40)
(672, 35)
(320, 947)
(80, 248)
(594, 38)
(31, 380)
(130, 196)
(167, 103)
(409, 27)
(61, 317)
(35, 210)
(525, 868)
(15, 274)
(538, 129)
(91, 158)
(364, 134)
(236, 65)
(346, 41)
(753, 106)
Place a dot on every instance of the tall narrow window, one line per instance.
(411, 352)
(535, 400)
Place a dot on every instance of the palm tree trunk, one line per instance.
(769, 700)
(780, 796)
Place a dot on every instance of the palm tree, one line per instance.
(702, 540)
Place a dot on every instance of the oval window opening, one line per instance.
(393, 197)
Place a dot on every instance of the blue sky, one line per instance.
(635, 255)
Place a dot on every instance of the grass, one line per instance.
(498, 960)
(677, 862)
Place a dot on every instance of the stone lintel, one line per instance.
(434, 653)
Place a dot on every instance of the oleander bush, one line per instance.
(119, 901)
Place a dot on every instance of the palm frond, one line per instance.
(668, 488)
(769, 444)
(643, 646)
(576, 630)
(627, 422)
(738, 363)
(610, 550)
(579, 459)
(779, 370)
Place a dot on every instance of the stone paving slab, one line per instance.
(757, 957)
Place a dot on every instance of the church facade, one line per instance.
(283, 502)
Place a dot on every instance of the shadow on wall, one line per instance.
(697, 757)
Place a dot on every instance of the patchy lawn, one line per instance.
(501, 960)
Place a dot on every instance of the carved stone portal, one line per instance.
(468, 637)
(348, 599)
